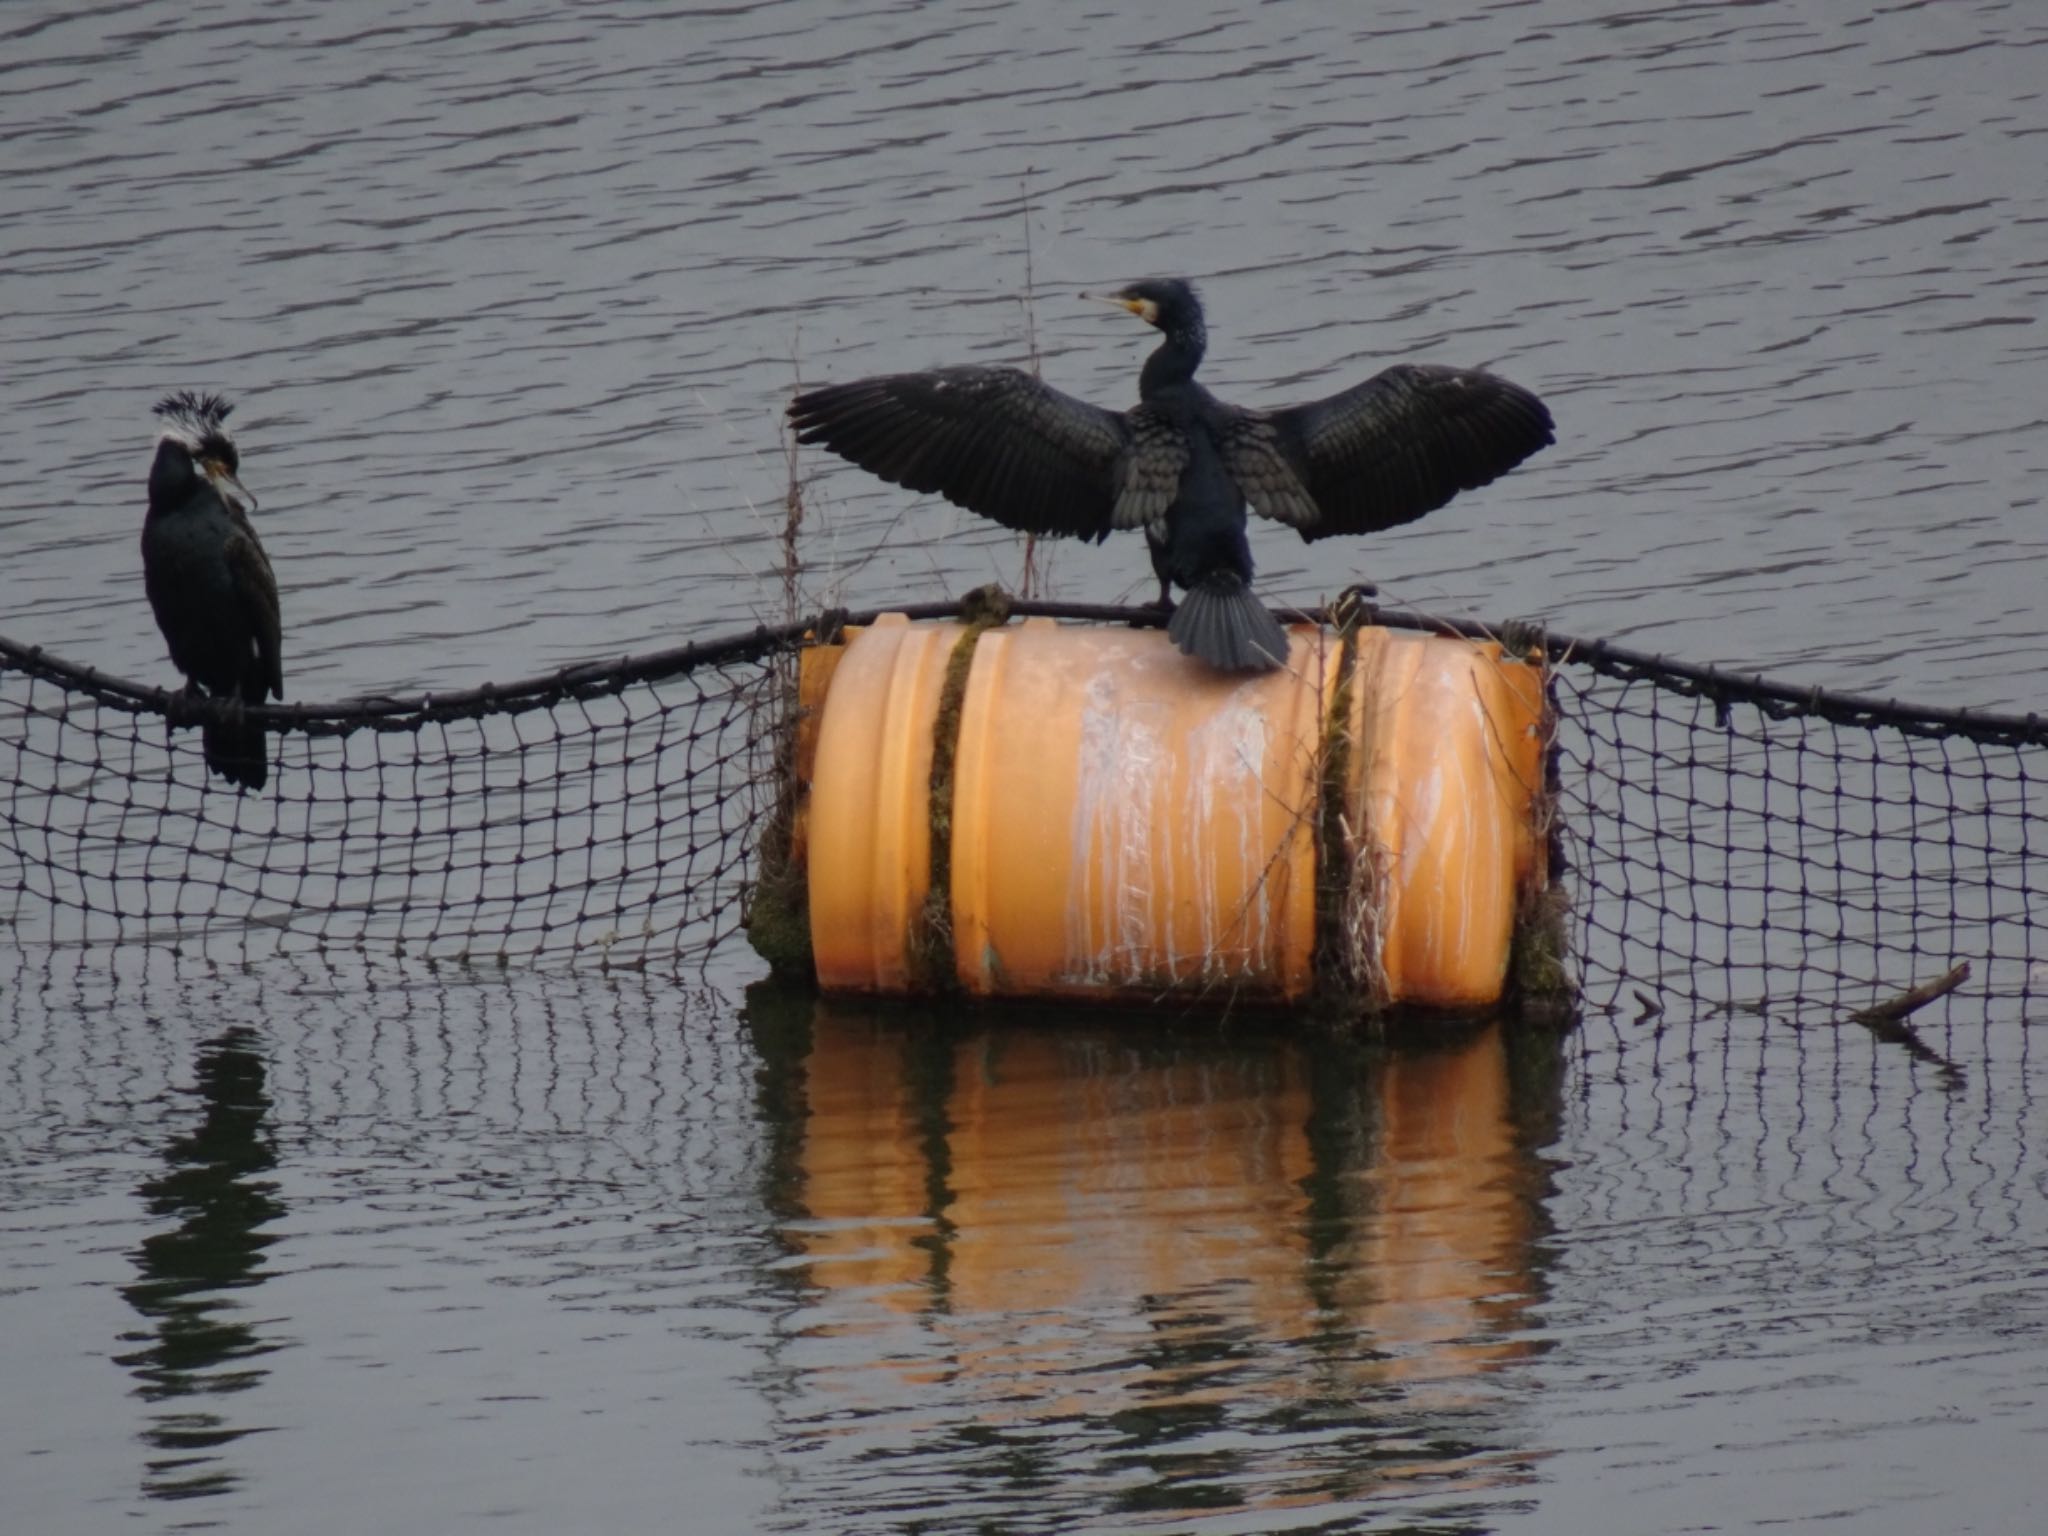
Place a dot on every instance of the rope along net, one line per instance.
(1726, 845)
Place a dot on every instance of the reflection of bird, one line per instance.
(1181, 464)
(208, 578)
(212, 1203)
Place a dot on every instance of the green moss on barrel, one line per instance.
(1539, 977)
(929, 949)
(778, 911)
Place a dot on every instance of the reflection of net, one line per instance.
(1727, 845)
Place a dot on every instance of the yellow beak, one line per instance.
(224, 482)
(1144, 309)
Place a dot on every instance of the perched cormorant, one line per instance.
(208, 579)
(1181, 464)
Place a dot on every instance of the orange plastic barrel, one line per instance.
(1125, 820)
(869, 823)
(1122, 821)
(1446, 767)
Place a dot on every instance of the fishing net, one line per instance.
(604, 813)
(1737, 846)
(1726, 845)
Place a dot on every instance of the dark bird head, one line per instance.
(1167, 302)
(193, 444)
(1171, 304)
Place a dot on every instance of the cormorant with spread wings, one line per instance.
(1181, 464)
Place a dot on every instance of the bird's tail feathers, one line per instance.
(237, 751)
(1222, 623)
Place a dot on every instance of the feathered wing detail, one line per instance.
(993, 440)
(256, 588)
(1148, 471)
(240, 753)
(1384, 452)
(1256, 457)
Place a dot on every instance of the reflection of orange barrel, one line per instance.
(1119, 820)
(1233, 1188)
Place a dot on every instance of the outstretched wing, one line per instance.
(993, 440)
(1383, 453)
(1148, 471)
(256, 589)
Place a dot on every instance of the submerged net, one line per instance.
(1726, 845)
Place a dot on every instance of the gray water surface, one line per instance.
(511, 297)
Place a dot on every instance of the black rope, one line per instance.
(1780, 701)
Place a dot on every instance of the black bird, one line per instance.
(208, 579)
(1181, 464)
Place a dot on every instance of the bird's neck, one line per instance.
(1175, 360)
(171, 480)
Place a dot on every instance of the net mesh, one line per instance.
(1727, 846)
(609, 818)
(1738, 855)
